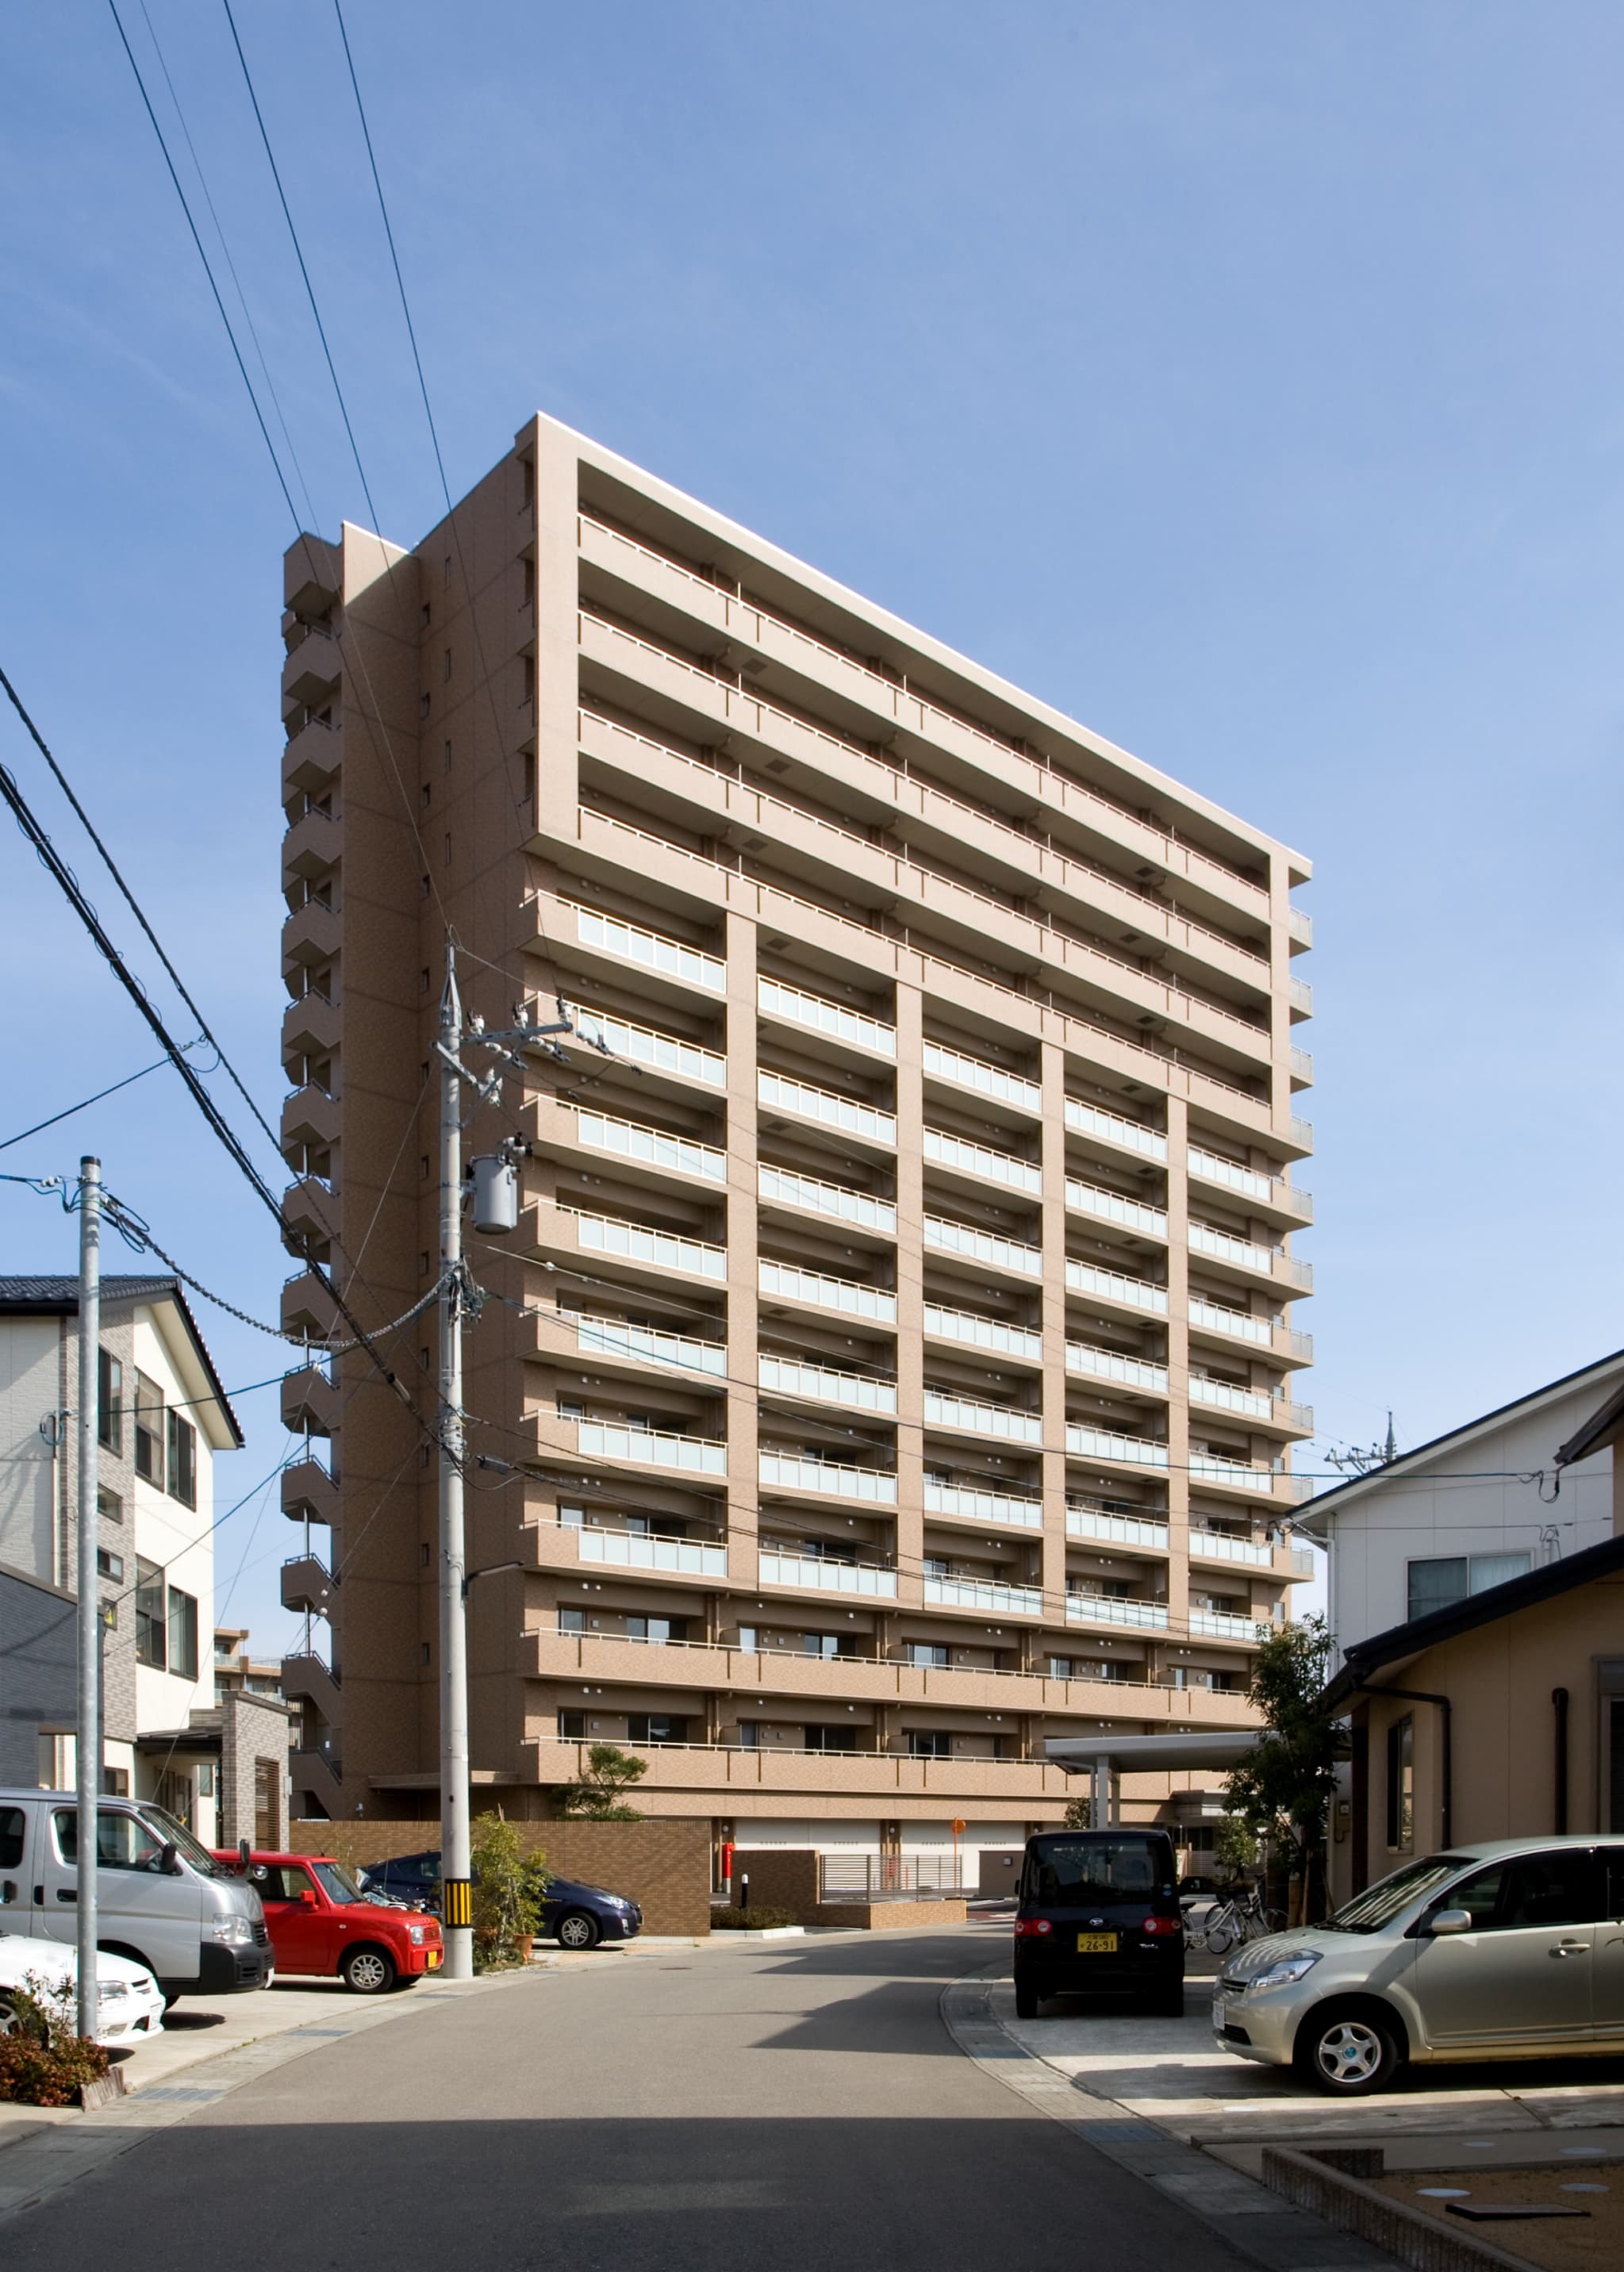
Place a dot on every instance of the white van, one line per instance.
(162, 1899)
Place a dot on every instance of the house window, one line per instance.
(149, 1615)
(109, 1403)
(109, 1507)
(929, 1744)
(830, 1739)
(1401, 1783)
(932, 1654)
(1443, 1580)
(182, 1461)
(148, 1430)
(655, 1727)
(747, 1638)
(572, 1727)
(110, 1566)
(657, 1629)
(181, 1624)
(573, 1621)
(750, 1735)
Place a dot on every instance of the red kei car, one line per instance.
(320, 1921)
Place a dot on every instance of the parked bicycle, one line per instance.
(1229, 1923)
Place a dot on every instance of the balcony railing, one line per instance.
(651, 1448)
(604, 1234)
(1111, 1364)
(985, 1593)
(1224, 1396)
(1086, 1443)
(989, 1079)
(1132, 1134)
(983, 1506)
(1216, 1625)
(1116, 1529)
(837, 1478)
(1240, 1322)
(1222, 1546)
(615, 1337)
(1208, 1467)
(943, 1409)
(1111, 1207)
(630, 1550)
(633, 1140)
(982, 1245)
(981, 1160)
(1113, 1286)
(645, 1045)
(792, 1377)
(1109, 1610)
(1223, 1246)
(983, 1332)
(846, 1295)
(648, 947)
(825, 1017)
(812, 1573)
(1273, 1191)
(1299, 926)
(779, 1092)
(839, 1200)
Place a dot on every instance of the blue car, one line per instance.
(573, 1915)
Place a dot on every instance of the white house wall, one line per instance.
(28, 1394)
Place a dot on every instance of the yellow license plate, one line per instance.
(1097, 1944)
(434, 1958)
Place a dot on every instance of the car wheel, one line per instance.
(1348, 2054)
(368, 1971)
(577, 1930)
(9, 2022)
(1026, 2002)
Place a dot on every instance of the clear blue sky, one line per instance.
(1244, 380)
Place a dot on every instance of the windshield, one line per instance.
(336, 1882)
(1074, 1869)
(176, 1834)
(1379, 1904)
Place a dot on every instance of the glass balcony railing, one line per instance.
(1091, 1120)
(815, 1575)
(983, 1332)
(839, 1200)
(1111, 1364)
(984, 1594)
(625, 1550)
(1224, 1396)
(849, 1296)
(824, 1384)
(601, 1234)
(652, 1448)
(629, 1139)
(1113, 1286)
(669, 956)
(983, 1506)
(982, 1245)
(989, 1079)
(947, 1151)
(783, 1095)
(1086, 1443)
(836, 1477)
(1206, 1466)
(1113, 1529)
(1111, 1207)
(615, 1337)
(825, 1017)
(943, 1409)
(1222, 1546)
(645, 1045)
(1110, 1609)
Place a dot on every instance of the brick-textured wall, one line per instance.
(780, 1877)
(663, 1864)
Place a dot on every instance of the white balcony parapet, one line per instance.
(605, 1234)
(981, 1160)
(650, 1447)
(1115, 1529)
(838, 1477)
(847, 1295)
(1111, 1364)
(633, 1140)
(655, 952)
(1109, 1610)
(982, 1245)
(1240, 1322)
(626, 1550)
(985, 1593)
(1222, 1546)
(975, 1073)
(1112, 1286)
(983, 1506)
(825, 1017)
(827, 1105)
(1208, 1467)
(614, 1337)
(1225, 1247)
(792, 1377)
(943, 1409)
(838, 1200)
(1223, 1396)
(1216, 1625)
(982, 1332)
(645, 1045)
(814, 1575)
(1213, 1169)
(1113, 1129)
(1084, 1443)
(1111, 1207)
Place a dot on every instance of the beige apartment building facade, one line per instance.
(893, 1366)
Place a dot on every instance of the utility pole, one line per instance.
(87, 1747)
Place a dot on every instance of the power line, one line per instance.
(156, 1067)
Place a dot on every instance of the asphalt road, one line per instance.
(795, 2106)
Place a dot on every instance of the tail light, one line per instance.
(1025, 1927)
(1164, 1926)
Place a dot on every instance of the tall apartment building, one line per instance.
(893, 1369)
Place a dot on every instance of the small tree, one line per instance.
(598, 1794)
(508, 1886)
(1079, 1814)
(1234, 1849)
(1283, 1789)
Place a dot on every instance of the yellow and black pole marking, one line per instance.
(456, 1902)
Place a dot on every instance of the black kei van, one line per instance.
(1098, 1909)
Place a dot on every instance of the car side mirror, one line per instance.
(169, 1862)
(1451, 1921)
(307, 1899)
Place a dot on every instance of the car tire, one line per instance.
(11, 2019)
(1348, 2052)
(368, 1971)
(1027, 2000)
(576, 1929)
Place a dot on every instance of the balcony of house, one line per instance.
(1229, 1474)
(310, 1310)
(1214, 1318)
(312, 849)
(312, 759)
(1229, 1253)
(1266, 1409)
(1096, 1130)
(312, 1026)
(307, 1586)
(953, 1409)
(813, 1564)
(657, 1542)
(1106, 1446)
(807, 1471)
(623, 1346)
(971, 1248)
(959, 1158)
(788, 1285)
(947, 1500)
(1095, 1280)
(1087, 1603)
(1299, 1066)
(652, 1137)
(796, 1186)
(950, 1327)
(1239, 1548)
(614, 947)
(311, 1398)
(1116, 1522)
(952, 1071)
(955, 1583)
(309, 1118)
(632, 1251)
(308, 1681)
(1267, 1195)
(664, 1442)
(313, 667)
(1091, 1360)
(792, 1377)
(697, 1778)
(832, 1028)
(792, 1094)
(682, 1060)
(1226, 1618)
(310, 1492)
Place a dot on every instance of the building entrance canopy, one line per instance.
(1104, 1757)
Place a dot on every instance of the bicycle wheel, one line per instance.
(1223, 1932)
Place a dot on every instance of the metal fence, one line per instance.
(871, 1877)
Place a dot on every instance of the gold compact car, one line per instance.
(1515, 1950)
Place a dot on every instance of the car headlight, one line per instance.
(418, 1936)
(230, 1929)
(1284, 1970)
(107, 1991)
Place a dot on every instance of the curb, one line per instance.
(1408, 2234)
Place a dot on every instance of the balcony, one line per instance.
(1299, 926)
(1249, 1256)
(1300, 1063)
(822, 1384)
(1299, 995)
(633, 1550)
(650, 1447)
(812, 1574)
(1111, 1364)
(847, 1296)
(310, 1211)
(314, 666)
(944, 1063)
(818, 1015)
(974, 1416)
(987, 1597)
(951, 1504)
(666, 1250)
(841, 1202)
(1086, 1443)
(310, 1117)
(984, 1246)
(1113, 1286)
(1222, 1546)
(311, 1400)
(648, 1345)
(1215, 1624)
(980, 1161)
(1112, 1529)
(312, 758)
(1111, 1207)
(312, 935)
(1271, 1193)
(968, 1327)
(778, 1092)
(313, 846)
(1111, 1128)
(312, 1026)
(319, 1772)
(309, 1308)
(1110, 1609)
(1230, 1475)
(307, 1586)
(646, 1045)
(654, 1147)
(309, 1493)
(1225, 1396)
(826, 1478)
(649, 950)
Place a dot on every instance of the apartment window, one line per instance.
(109, 1507)
(426, 795)
(573, 1518)
(182, 1461)
(110, 1566)
(445, 757)
(427, 614)
(1442, 1579)
(114, 1782)
(935, 1567)
(935, 1655)
(1401, 1783)
(815, 1644)
(109, 1403)
(149, 1615)
(929, 1744)
(573, 1621)
(830, 1739)
(148, 1430)
(422, 706)
(750, 1735)
(529, 567)
(748, 1638)
(657, 1629)
(655, 1727)
(447, 663)
(526, 678)
(1059, 1668)
(572, 1727)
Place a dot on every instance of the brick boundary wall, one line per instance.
(786, 1878)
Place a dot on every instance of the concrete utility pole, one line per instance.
(87, 1746)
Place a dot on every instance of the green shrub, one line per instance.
(759, 1918)
(508, 1886)
(43, 2062)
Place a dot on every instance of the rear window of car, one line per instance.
(1098, 1869)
